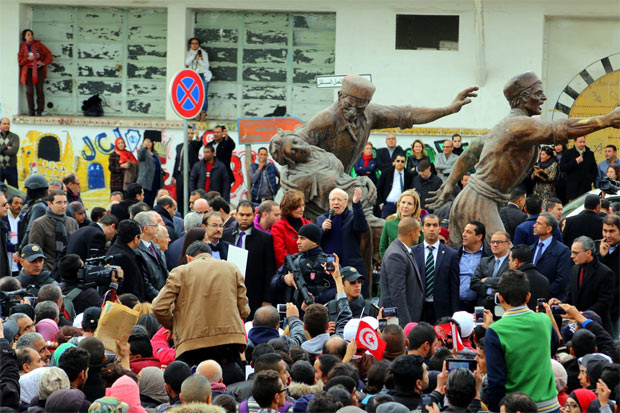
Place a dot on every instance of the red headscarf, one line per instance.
(584, 397)
(125, 155)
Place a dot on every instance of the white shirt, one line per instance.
(435, 251)
(13, 223)
(396, 190)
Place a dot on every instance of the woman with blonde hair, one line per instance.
(408, 205)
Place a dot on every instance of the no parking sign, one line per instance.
(187, 94)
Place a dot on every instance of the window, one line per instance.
(120, 54)
(266, 62)
(419, 32)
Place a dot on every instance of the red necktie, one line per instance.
(580, 277)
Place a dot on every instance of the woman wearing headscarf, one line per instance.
(545, 175)
(152, 387)
(52, 379)
(578, 401)
(33, 58)
(63, 401)
(197, 59)
(47, 328)
(150, 174)
(126, 390)
(123, 166)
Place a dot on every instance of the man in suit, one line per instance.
(222, 207)
(90, 241)
(521, 259)
(441, 272)
(487, 274)
(401, 281)
(133, 194)
(524, 234)
(166, 207)
(590, 285)
(223, 147)
(261, 264)
(387, 156)
(512, 214)
(125, 257)
(193, 149)
(579, 165)
(155, 263)
(609, 254)
(213, 223)
(588, 222)
(554, 207)
(551, 257)
(392, 183)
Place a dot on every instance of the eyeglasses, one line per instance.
(399, 161)
(283, 390)
(215, 225)
(497, 242)
(576, 252)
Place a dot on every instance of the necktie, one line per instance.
(496, 267)
(429, 272)
(402, 183)
(240, 240)
(538, 252)
(154, 253)
(580, 277)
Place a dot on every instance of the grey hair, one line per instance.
(17, 316)
(587, 244)
(53, 379)
(55, 182)
(192, 220)
(552, 221)
(46, 309)
(144, 219)
(28, 339)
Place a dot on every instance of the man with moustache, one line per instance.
(214, 225)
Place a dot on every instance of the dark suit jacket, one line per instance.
(87, 242)
(539, 284)
(261, 264)
(156, 271)
(579, 177)
(555, 264)
(524, 234)
(223, 153)
(387, 179)
(168, 222)
(613, 262)
(173, 253)
(121, 210)
(485, 270)
(193, 150)
(446, 288)
(223, 245)
(596, 291)
(511, 217)
(384, 160)
(133, 268)
(587, 223)
(401, 283)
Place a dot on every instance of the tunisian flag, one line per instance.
(368, 338)
(448, 334)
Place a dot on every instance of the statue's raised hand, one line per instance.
(463, 98)
(439, 197)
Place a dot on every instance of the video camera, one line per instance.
(9, 299)
(609, 186)
(95, 273)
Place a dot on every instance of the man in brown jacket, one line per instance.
(52, 231)
(204, 303)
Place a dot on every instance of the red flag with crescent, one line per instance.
(368, 338)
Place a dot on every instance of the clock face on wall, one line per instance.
(594, 91)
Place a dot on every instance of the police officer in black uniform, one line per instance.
(360, 307)
(35, 206)
(309, 262)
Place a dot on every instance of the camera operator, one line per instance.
(309, 262)
(16, 302)
(77, 294)
(32, 260)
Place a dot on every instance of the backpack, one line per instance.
(92, 106)
(68, 302)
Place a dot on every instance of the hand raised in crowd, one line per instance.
(351, 350)
(291, 310)
(478, 377)
(123, 351)
(357, 195)
(554, 301)
(603, 248)
(336, 275)
(304, 306)
(331, 327)
(603, 392)
(573, 313)
(488, 318)
(442, 379)
(432, 409)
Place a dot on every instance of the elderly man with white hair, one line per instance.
(342, 230)
(154, 259)
(212, 371)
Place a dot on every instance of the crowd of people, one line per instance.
(524, 319)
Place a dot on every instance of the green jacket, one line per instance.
(390, 233)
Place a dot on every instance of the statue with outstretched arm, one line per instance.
(508, 152)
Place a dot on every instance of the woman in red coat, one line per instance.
(33, 58)
(285, 230)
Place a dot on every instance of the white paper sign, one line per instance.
(335, 80)
(239, 257)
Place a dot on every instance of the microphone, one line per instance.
(330, 214)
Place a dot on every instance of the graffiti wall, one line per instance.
(55, 150)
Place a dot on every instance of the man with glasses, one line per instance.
(214, 225)
(343, 228)
(591, 282)
(268, 391)
(156, 271)
(392, 183)
(485, 278)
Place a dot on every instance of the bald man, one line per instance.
(9, 145)
(445, 160)
(195, 389)
(401, 280)
(201, 206)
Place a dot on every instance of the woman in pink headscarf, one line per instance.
(47, 328)
(123, 166)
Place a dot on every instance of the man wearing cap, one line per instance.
(309, 262)
(32, 261)
(193, 149)
(506, 155)
(360, 307)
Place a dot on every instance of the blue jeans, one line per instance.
(205, 105)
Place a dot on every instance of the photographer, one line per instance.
(309, 264)
(78, 295)
(32, 260)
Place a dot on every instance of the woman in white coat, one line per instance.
(197, 59)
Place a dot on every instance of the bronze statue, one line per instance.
(505, 155)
